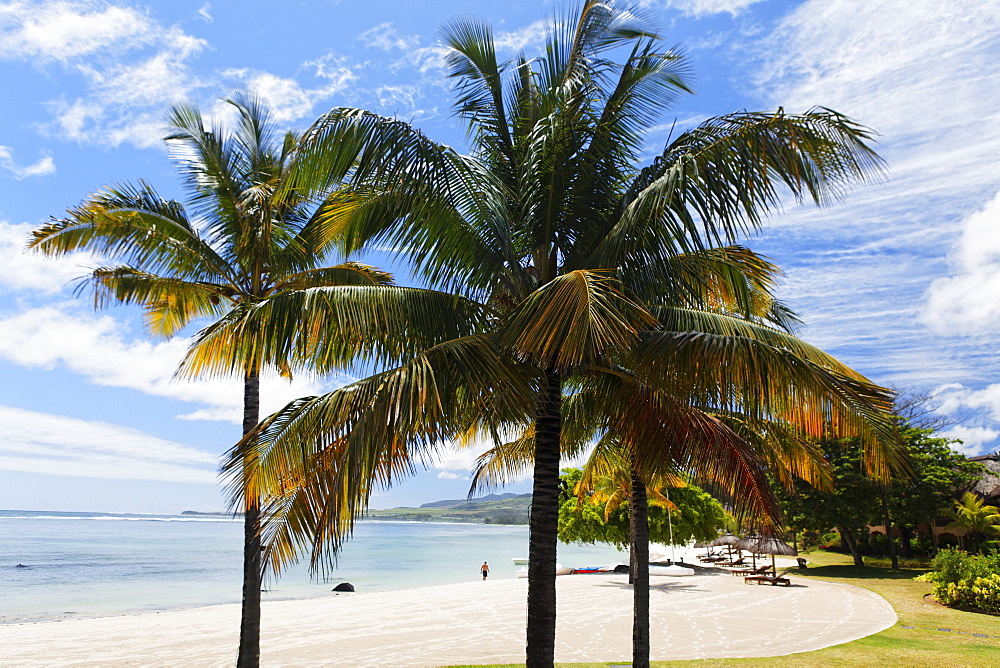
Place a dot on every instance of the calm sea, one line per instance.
(94, 564)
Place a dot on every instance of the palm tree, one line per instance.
(977, 519)
(562, 249)
(250, 239)
(734, 285)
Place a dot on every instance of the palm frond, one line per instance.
(579, 318)
(368, 434)
(328, 328)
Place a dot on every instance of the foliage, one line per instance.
(697, 515)
(580, 275)
(973, 515)
(938, 472)
(965, 580)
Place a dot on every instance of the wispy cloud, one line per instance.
(45, 165)
(287, 99)
(699, 8)
(99, 348)
(43, 443)
(385, 36)
(859, 271)
(22, 271)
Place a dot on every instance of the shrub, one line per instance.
(963, 580)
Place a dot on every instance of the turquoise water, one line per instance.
(93, 564)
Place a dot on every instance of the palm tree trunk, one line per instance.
(249, 652)
(544, 527)
(639, 571)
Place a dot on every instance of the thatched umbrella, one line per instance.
(772, 545)
(728, 540)
(749, 543)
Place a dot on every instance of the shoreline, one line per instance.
(712, 615)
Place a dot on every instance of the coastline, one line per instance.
(705, 616)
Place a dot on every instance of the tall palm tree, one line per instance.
(563, 247)
(250, 238)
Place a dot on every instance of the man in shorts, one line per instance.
(485, 569)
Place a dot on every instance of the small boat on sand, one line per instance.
(672, 570)
(560, 570)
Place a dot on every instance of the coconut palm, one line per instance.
(249, 238)
(977, 519)
(561, 248)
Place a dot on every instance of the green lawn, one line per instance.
(922, 645)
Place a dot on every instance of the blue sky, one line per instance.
(901, 279)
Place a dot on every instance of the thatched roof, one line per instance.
(767, 545)
(988, 486)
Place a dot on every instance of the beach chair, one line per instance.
(710, 558)
(760, 570)
(770, 579)
(737, 562)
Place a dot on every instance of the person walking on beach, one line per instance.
(486, 570)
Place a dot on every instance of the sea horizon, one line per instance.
(96, 564)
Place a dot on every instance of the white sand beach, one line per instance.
(702, 616)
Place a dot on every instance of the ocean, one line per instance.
(76, 565)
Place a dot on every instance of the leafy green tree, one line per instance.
(936, 472)
(939, 472)
(978, 519)
(250, 239)
(849, 506)
(695, 515)
(562, 250)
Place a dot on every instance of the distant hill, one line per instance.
(461, 503)
(490, 509)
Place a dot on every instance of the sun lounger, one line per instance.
(737, 562)
(769, 579)
(761, 570)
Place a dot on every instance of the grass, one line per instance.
(922, 645)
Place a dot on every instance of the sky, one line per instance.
(900, 279)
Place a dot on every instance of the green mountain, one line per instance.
(490, 509)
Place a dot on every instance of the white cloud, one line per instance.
(97, 347)
(55, 445)
(447, 475)
(953, 398)
(523, 39)
(132, 66)
(385, 36)
(24, 270)
(64, 31)
(699, 8)
(45, 165)
(204, 12)
(286, 98)
(972, 438)
(968, 302)
(425, 59)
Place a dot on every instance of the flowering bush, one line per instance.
(967, 581)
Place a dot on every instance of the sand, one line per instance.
(712, 615)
